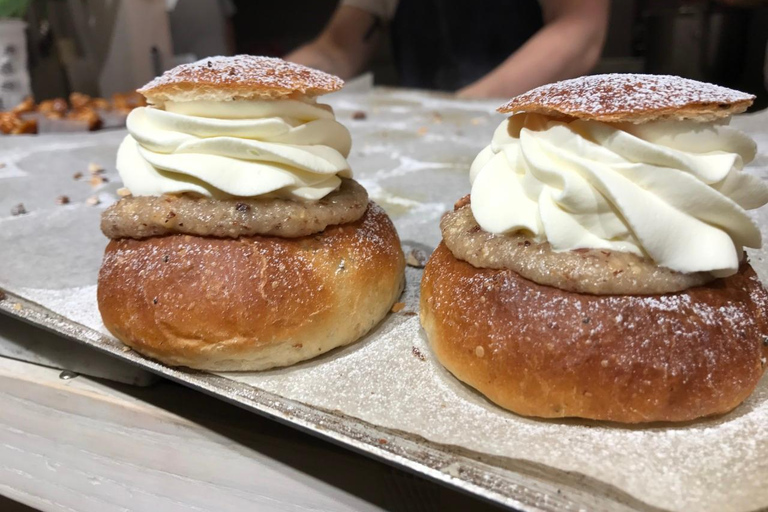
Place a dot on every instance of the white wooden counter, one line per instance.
(91, 445)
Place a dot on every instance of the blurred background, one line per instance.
(53, 48)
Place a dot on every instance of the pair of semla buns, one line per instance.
(258, 301)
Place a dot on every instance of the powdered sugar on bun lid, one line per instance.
(242, 77)
(635, 98)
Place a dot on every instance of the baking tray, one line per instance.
(412, 151)
(518, 485)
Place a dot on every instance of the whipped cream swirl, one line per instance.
(277, 148)
(671, 191)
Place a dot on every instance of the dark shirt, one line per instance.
(448, 44)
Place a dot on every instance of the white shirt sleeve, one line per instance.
(384, 9)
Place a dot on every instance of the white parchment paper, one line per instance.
(412, 151)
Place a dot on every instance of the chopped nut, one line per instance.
(92, 201)
(359, 115)
(604, 363)
(95, 168)
(398, 306)
(62, 200)
(479, 351)
(77, 175)
(17, 307)
(98, 180)
(422, 131)
(123, 192)
(242, 207)
(416, 258)
(18, 210)
(416, 352)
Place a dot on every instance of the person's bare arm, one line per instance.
(568, 45)
(345, 45)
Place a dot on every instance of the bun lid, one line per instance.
(242, 77)
(635, 98)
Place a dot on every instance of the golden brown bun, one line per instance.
(242, 77)
(541, 351)
(631, 98)
(251, 303)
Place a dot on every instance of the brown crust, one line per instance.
(540, 351)
(147, 216)
(251, 303)
(600, 272)
(239, 77)
(632, 98)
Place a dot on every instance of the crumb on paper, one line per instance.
(2, 164)
(359, 115)
(422, 131)
(92, 201)
(416, 258)
(410, 313)
(383, 441)
(3, 296)
(62, 200)
(77, 175)
(398, 306)
(478, 120)
(95, 168)
(126, 348)
(17, 307)
(123, 192)
(18, 210)
(416, 352)
(437, 117)
(98, 180)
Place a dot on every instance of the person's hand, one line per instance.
(345, 45)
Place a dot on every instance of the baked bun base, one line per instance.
(250, 303)
(541, 351)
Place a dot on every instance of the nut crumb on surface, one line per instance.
(3, 296)
(62, 200)
(95, 168)
(398, 306)
(359, 115)
(18, 210)
(416, 258)
(17, 307)
(77, 175)
(123, 192)
(416, 352)
(92, 201)
(97, 180)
